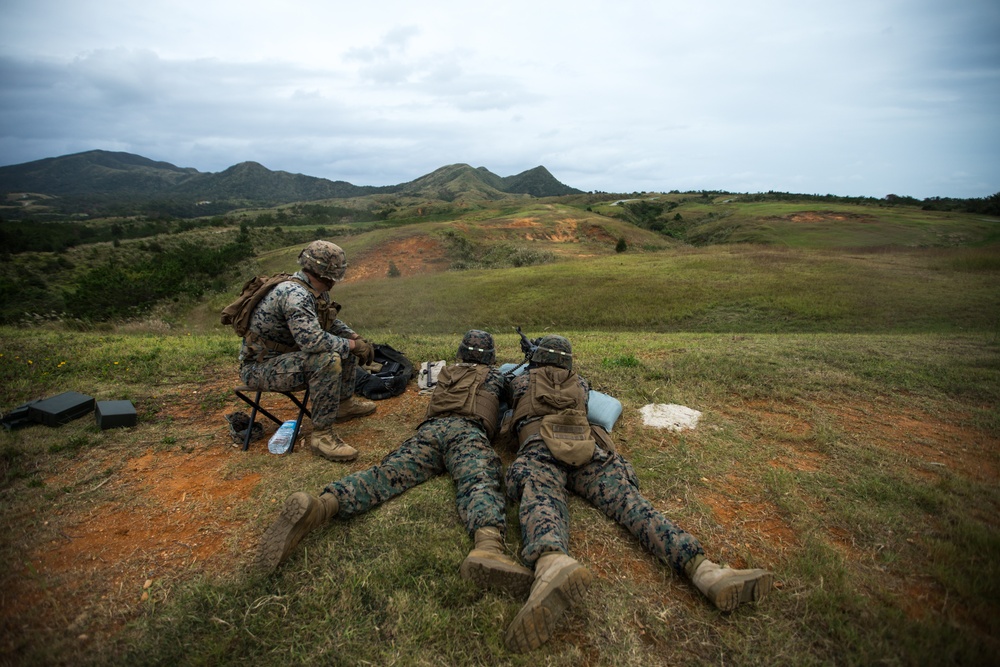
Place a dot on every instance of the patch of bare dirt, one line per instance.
(926, 443)
(823, 216)
(596, 233)
(757, 523)
(425, 254)
(89, 567)
(564, 231)
(410, 256)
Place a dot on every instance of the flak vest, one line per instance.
(461, 392)
(551, 390)
(556, 403)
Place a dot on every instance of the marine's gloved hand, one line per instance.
(364, 351)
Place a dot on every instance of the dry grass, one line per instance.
(130, 544)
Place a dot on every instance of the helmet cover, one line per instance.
(324, 259)
(555, 351)
(477, 348)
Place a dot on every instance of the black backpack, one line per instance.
(390, 381)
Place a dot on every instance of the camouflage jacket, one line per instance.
(288, 315)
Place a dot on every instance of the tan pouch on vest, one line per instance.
(567, 435)
(602, 437)
(453, 393)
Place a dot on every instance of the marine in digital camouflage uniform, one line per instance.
(295, 339)
(538, 480)
(455, 438)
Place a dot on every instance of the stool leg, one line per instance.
(298, 422)
(253, 415)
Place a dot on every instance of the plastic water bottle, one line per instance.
(281, 441)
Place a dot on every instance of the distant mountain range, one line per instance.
(103, 174)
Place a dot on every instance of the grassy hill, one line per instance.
(845, 359)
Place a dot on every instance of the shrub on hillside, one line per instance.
(118, 290)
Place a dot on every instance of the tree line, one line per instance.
(119, 289)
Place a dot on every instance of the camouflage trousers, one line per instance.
(539, 482)
(451, 444)
(330, 380)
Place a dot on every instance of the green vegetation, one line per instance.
(845, 357)
(877, 547)
(809, 223)
(54, 267)
(717, 289)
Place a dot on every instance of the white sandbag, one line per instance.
(670, 416)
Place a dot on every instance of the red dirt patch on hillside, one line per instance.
(822, 216)
(410, 256)
(425, 254)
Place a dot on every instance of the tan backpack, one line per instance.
(238, 312)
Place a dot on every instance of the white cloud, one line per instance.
(854, 97)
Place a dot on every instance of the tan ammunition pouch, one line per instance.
(327, 310)
(567, 435)
(461, 392)
(258, 347)
(556, 396)
(602, 437)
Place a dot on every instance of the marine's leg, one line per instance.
(537, 481)
(609, 483)
(476, 470)
(351, 406)
(322, 373)
(414, 462)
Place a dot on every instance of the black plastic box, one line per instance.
(115, 414)
(61, 409)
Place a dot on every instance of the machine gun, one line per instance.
(528, 346)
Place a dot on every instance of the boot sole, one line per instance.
(508, 578)
(336, 459)
(733, 591)
(281, 537)
(537, 620)
(346, 418)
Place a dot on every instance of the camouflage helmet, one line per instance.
(324, 259)
(477, 348)
(553, 350)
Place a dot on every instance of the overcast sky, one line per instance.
(847, 97)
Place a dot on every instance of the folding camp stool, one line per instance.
(243, 392)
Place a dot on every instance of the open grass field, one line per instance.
(849, 442)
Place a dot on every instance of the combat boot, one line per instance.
(328, 444)
(353, 408)
(560, 582)
(488, 566)
(300, 515)
(727, 588)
